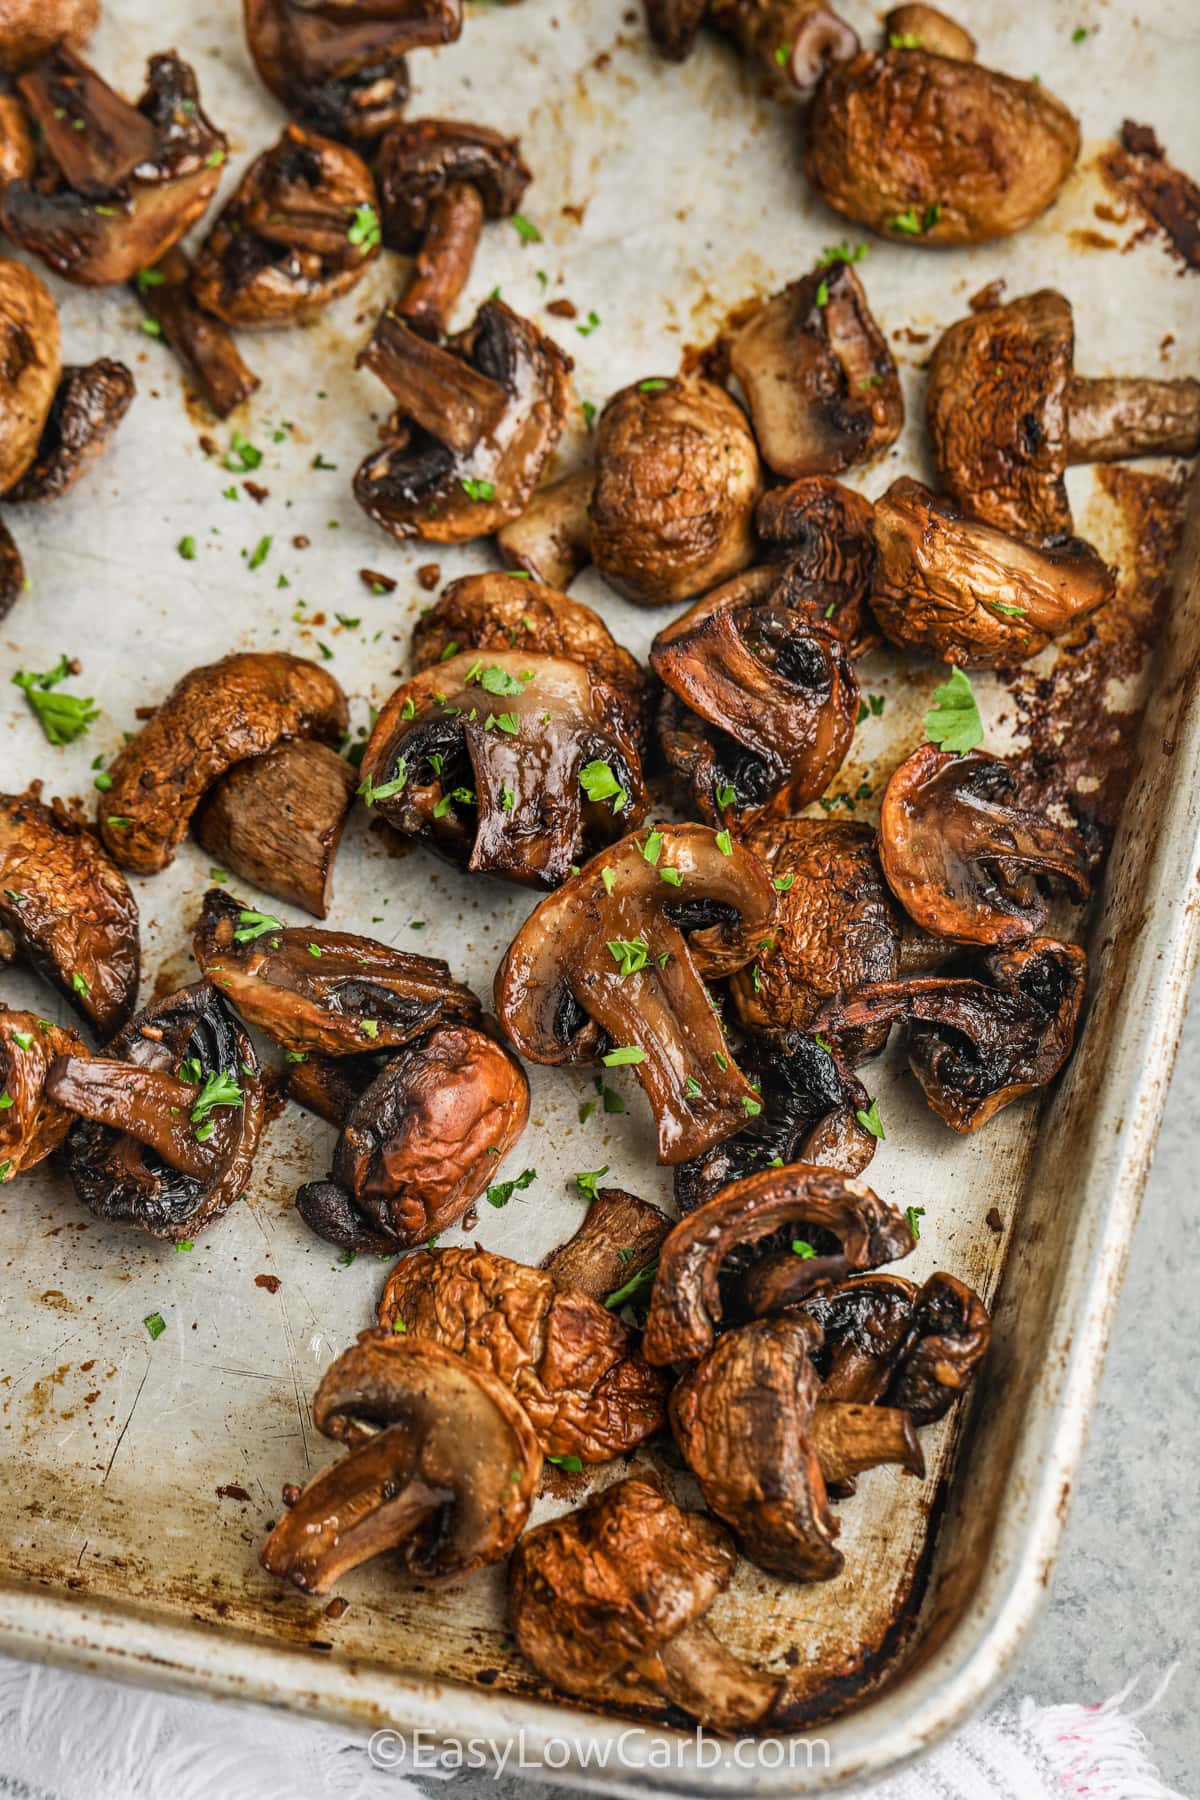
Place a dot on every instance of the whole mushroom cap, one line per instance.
(30, 366)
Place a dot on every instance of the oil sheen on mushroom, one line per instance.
(32, 1125)
(88, 405)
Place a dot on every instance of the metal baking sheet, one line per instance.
(137, 1477)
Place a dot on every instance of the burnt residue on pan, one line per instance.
(1136, 168)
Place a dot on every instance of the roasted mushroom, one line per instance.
(330, 1085)
(476, 422)
(517, 791)
(819, 379)
(795, 41)
(117, 185)
(567, 1359)
(1007, 414)
(277, 820)
(12, 572)
(31, 1125)
(421, 1143)
(67, 911)
(620, 1237)
(443, 1467)
(28, 28)
(89, 404)
(612, 967)
(298, 233)
(969, 594)
(18, 154)
(169, 1117)
(677, 476)
(203, 344)
(919, 27)
(887, 1342)
(822, 531)
(929, 149)
(552, 538)
(438, 180)
(30, 366)
(962, 861)
(216, 716)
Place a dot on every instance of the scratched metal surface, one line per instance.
(137, 1477)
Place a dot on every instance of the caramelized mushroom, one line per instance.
(12, 572)
(203, 345)
(919, 27)
(28, 28)
(515, 791)
(823, 532)
(88, 406)
(818, 376)
(619, 1237)
(887, 1342)
(612, 967)
(216, 716)
(298, 233)
(791, 40)
(31, 1125)
(170, 1116)
(552, 538)
(567, 1359)
(677, 476)
(442, 1466)
(67, 911)
(330, 1085)
(962, 861)
(278, 819)
(18, 155)
(117, 185)
(970, 594)
(30, 366)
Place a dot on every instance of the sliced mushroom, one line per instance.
(853, 1228)
(476, 423)
(795, 41)
(203, 344)
(66, 910)
(31, 1124)
(299, 232)
(820, 381)
(919, 27)
(506, 763)
(30, 366)
(28, 28)
(822, 533)
(972, 595)
(612, 967)
(887, 1342)
(118, 185)
(278, 819)
(962, 861)
(89, 404)
(216, 716)
(569, 1360)
(677, 477)
(618, 1238)
(442, 1466)
(929, 149)
(170, 1116)
(18, 154)
(552, 538)
(1007, 414)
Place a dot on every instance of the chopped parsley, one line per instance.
(914, 1214)
(508, 798)
(915, 224)
(478, 490)
(724, 843)
(870, 1120)
(241, 456)
(953, 722)
(724, 796)
(62, 717)
(623, 1055)
(587, 408)
(461, 795)
(502, 1192)
(259, 554)
(370, 793)
(651, 847)
(253, 925)
(654, 385)
(590, 324)
(599, 783)
(822, 293)
(904, 40)
(586, 1181)
(572, 1465)
(802, 1248)
(841, 253)
(783, 884)
(629, 954)
(187, 548)
(80, 986)
(218, 1090)
(871, 708)
(155, 1324)
(525, 229)
(673, 877)
(495, 680)
(364, 230)
(609, 880)
(634, 1288)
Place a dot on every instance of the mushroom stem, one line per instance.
(443, 263)
(441, 392)
(148, 1104)
(1114, 417)
(552, 539)
(96, 138)
(706, 1679)
(200, 341)
(849, 1439)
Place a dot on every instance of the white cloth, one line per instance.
(72, 1737)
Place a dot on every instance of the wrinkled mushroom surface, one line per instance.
(277, 820)
(888, 1342)
(822, 532)
(30, 366)
(29, 28)
(202, 343)
(31, 1124)
(618, 1237)
(89, 404)
(793, 42)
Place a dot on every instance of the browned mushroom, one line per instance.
(30, 366)
(299, 232)
(962, 861)
(203, 344)
(67, 911)
(611, 970)
(1007, 414)
(277, 820)
(969, 594)
(170, 1116)
(89, 404)
(443, 1467)
(820, 381)
(475, 425)
(330, 1085)
(12, 572)
(677, 477)
(794, 41)
(930, 149)
(18, 154)
(919, 27)
(567, 1358)
(823, 532)
(888, 1342)
(619, 1238)
(117, 185)
(31, 1125)
(216, 716)
(847, 1226)
(552, 538)
(507, 763)
(28, 28)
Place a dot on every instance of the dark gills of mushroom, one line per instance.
(677, 477)
(442, 1467)
(919, 27)
(1007, 414)
(421, 1143)
(552, 538)
(117, 185)
(965, 863)
(822, 533)
(216, 716)
(328, 991)
(971, 595)
(888, 1342)
(299, 232)
(619, 1237)
(31, 1124)
(87, 408)
(566, 1357)
(67, 911)
(476, 422)
(203, 344)
(609, 1602)
(30, 366)
(277, 820)
(438, 180)
(844, 1226)
(170, 1116)
(612, 969)
(819, 379)
(508, 764)
(928, 149)
(792, 41)
(774, 696)
(28, 28)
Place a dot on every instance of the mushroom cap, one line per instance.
(888, 1342)
(12, 572)
(821, 384)
(30, 365)
(957, 152)
(443, 1467)
(677, 477)
(422, 158)
(822, 531)
(935, 33)
(567, 1358)
(593, 1592)
(31, 1124)
(29, 28)
(89, 404)
(18, 154)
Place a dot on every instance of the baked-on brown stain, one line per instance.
(272, 1283)
(1136, 169)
